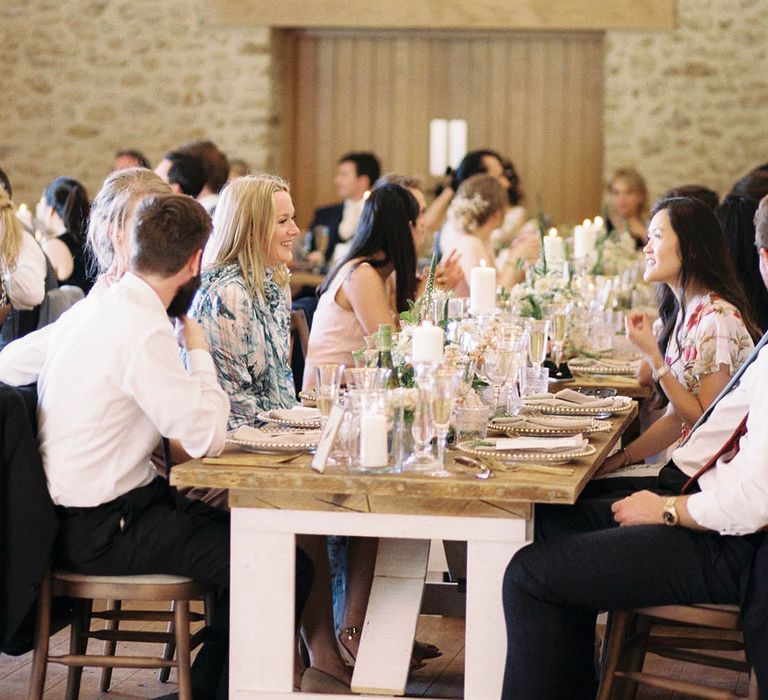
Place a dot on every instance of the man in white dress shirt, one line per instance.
(684, 549)
(110, 383)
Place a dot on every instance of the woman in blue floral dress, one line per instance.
(244, 301)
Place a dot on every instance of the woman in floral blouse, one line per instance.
(706, 330)
(243, 303)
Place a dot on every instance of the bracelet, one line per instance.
(657, 374)
(627, 457)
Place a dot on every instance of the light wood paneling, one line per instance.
(448, 14)
(534, 97)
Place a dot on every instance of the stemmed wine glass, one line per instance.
(537, 341)
(321, 237)
(444, 384)
(422, 431)
(558, 313)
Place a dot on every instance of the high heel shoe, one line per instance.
(421, 650)
(316, 681)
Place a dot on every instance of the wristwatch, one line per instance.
(669, 515)
(660, 372)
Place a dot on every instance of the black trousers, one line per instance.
(581, 564)
(153, 529)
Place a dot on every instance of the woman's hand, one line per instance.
(640, 332)
(449, 273)
(612, 463)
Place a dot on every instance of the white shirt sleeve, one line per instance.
(734, 495)
(26, 284)
(189, 407)
(21, 360)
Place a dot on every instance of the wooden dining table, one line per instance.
(273, 502)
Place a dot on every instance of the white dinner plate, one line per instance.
(528, 456)
(621, 404)
(266, 417)
(558, 427)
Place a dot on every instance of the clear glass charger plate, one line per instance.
(266, 417)
(587, 365)
(621, 404)
(596, 426)
(536, 457)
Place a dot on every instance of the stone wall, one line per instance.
(690, 105)
(82, 78)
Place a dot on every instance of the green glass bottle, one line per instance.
(385, 354)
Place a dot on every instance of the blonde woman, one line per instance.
(628, 204)
(23, 273)
(474, 213)
(243, 302)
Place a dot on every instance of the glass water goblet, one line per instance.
(444, 385)
(502, 365)
(327, 383)
(422, 431)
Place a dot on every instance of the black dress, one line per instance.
(79, 276)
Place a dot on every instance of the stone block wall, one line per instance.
(82, 78)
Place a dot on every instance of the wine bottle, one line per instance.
(385, 354)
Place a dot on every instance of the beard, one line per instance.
(182, 300)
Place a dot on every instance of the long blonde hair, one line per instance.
(243, 225)
(11, 232)
(110, 210)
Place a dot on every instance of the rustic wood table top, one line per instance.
(262, 481)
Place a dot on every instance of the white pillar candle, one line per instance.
(373, 441)
(580, 242)
(554, 249)
(427, 343)
(482, 289)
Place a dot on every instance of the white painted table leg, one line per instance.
(262, 640)
(485, 636)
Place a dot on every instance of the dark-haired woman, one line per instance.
(354, 297)
(706, 333)
(66, 217)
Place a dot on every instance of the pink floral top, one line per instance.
(714, 335)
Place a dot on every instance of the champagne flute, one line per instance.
(558, 313)
(321, 238)
(537, 341)
(328, 381)
(444, 384)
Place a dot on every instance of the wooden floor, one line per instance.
(442, 677)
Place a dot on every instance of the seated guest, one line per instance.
(24, 275)
(355, 175)
(184, 172)
(216, 166)
(474, 213)
(237, 168)
(354, 298)
(699, 547)
(243, 303)
(628, 204)
(737, 216)
(707, 330)
(66, 216)
(753, 185)
(130, 158)
(96, 434)
(700, 192)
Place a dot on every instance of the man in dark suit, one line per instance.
(355, 175)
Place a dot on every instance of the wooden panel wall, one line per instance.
(534, 97)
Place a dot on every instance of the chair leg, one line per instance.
(169, 649)
(753, 694)
(42, 634)
(78, 645)
(634, 655)
(110, 646)
(182, 633)
(616, 632)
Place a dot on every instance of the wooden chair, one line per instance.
(86, 589)
(631, 636)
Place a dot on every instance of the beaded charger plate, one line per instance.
(588, 365)
(278, 442)
(308, 398)
(557, 428)
(621, 404)
(472, 447)
(266, 417)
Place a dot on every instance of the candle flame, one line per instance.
(553, 232)
(482, 262)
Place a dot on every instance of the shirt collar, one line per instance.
(139, 289)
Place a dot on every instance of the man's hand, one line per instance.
(190, 334)
(641, 508)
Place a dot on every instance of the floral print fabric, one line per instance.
(714, 334)
(249, 339)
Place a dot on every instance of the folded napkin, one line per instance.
(567, 398)
(561, 422)
(295, 413)
(543, 444)
(246, 433)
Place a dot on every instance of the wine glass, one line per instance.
(558, 313)
(444, 384)
(328, 381)
(321, 237)
(502, 364)
(537, 341)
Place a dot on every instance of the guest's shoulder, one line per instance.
(329, 213)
